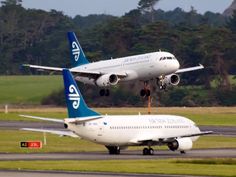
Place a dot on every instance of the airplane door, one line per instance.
(101, 129)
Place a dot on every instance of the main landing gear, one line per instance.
(148, 151)
(113, 150)
(145, 92)
(104, 92)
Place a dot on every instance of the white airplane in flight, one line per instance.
(119, 132)
(161, 66)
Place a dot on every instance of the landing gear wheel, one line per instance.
(151, 151)
(148, 151)
(182, 152)
(162, 87)
(107, 92)
(104, 92)
(148, 93)
(145, 151)
(145, 93)
(113, 150)
(142, 93)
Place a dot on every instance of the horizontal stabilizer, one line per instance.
(56, 132)
(81, 119)
(43, 118)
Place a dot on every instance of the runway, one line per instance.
(14, 125)
(78, 174)
(125, 155)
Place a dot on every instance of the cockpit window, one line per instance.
(167, 58)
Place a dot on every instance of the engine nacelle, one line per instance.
(107, 80)
(172, 79)
(181, 144)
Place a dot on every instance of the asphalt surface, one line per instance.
(14, 125)
(77, 174)
(125, 155)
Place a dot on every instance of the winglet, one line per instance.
(76, 106)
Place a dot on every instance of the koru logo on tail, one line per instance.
(75, 50)
(74, 96)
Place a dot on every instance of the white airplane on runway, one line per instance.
(119, 132)
(161, 66)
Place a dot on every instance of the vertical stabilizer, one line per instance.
(76, 105)
(77, 55)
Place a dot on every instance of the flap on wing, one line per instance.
(144, 138)
(43, 118)
(198, 134)
(189, 69)
(56, 132)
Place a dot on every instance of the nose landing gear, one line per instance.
(160, 83)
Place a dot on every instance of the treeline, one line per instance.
(39, 37)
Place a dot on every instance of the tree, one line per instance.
(148, 6)
(232, 23)
(11, 2)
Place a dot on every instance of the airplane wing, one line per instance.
(189, 69)
(66, 120)
(56, 132)
(161, 140)
(85, 73)
(170, 139)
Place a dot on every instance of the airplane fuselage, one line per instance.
(141, 67)
(133, 130)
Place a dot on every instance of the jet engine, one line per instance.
(172, 79)
(107, 80)
(181, 144)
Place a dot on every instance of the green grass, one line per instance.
(218, 116)
(213, 167)
(27, 89)
(9, 143)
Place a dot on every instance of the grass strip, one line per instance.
(218, 116)
(214, 167)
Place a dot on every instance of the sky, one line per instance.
(120, 7)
